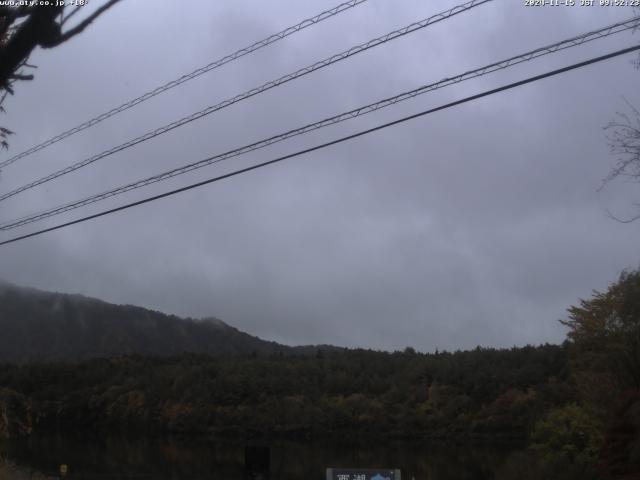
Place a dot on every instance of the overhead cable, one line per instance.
(250, 93)
(509, 62)
(327, 144)
(185, 78)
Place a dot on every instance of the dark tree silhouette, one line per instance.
(23, 28)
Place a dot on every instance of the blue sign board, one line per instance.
(363, 474)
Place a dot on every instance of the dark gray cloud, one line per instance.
(476, 225)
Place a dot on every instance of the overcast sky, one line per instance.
(478, 225)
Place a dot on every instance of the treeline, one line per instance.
(354, 393)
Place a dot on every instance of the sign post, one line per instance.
(363, 474)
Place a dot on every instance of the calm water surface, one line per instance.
(177, 459)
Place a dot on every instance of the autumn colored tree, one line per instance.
(604, 334)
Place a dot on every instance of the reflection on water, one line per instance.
(181, 459)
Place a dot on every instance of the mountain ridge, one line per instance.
(38, 325)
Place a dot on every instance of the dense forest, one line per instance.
(576, 405)
(404, 394)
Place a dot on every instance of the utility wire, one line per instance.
(333, 142)
(189, 76)
(527, 56)
(254, 91)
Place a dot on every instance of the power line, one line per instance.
(189, 76)
(568, 43)
(254, 91)
(527, 56)
(333, 142)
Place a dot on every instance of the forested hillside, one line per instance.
(47, 326)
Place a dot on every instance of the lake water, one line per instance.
(178, 459)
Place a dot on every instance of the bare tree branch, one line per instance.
(623, 220)
(71, 14)
(19, 76)
(624, 143)
(4, 133)
(63, 37)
